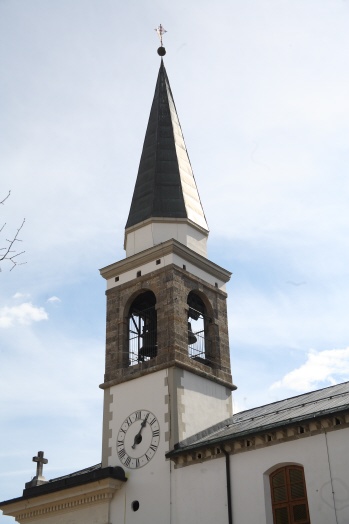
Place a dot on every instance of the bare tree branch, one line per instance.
(6, 197)
(9, 252)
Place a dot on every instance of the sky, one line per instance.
(261, 89)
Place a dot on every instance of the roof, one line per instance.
(78, 478)
(84, 471)
(330, 400)
(165, 185)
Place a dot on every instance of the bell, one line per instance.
(191, 337)
(149, 349)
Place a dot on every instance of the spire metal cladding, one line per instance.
(165, 185)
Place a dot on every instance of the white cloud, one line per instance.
(24, 314)
(21, 295)
(321, 368)
(54, 299)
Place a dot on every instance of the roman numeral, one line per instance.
(137, 463)
(121, 453)
(156, 433)
(138, 415)
(153, 448)
(152, 421)
(127, 461)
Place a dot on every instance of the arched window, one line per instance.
(197, 328)
(142, 328)
(289, 496)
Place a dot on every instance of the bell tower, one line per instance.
(167, 371)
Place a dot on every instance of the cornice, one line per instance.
(259, 439)
(69, 500)
(166, 248)
(133, 372)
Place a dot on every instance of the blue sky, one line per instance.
(261, 89)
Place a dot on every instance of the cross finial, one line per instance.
(161, 31)
(39, 478)
(40, 461)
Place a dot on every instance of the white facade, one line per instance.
(183, 403)
(153, 232)
(197, 493)
(324, 458)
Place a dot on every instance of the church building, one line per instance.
(173, 452)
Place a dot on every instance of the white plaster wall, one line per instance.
(338, 443)
(179, 261)
(199, 494)
(199, 490)
(155, 233)
(201, 403)
(250, 478)
(127, 276)
(150, 485)
(204, 403)
(139, 240)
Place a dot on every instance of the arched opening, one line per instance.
(289, 496)
(142, 328)
(198, 322)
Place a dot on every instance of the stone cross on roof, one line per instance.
(40, 461)
(39, 478)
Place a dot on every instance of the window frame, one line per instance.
(290, 501)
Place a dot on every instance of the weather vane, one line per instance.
(161, 31)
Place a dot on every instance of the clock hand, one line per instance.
(138, 437)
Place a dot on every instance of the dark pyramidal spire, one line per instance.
(165, 186)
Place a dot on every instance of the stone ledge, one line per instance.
(133, 372)
(160, 250)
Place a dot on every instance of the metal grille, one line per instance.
(142, 335)
(197, 336)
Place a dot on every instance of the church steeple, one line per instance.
(167, 344)
(165, 194)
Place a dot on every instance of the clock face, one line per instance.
(138, 439)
